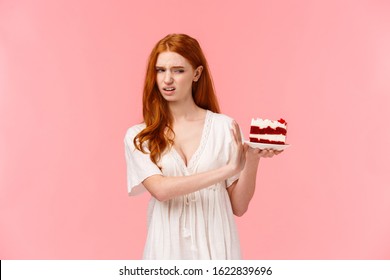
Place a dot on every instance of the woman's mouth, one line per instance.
(169, 90)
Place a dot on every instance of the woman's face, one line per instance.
(175, 76)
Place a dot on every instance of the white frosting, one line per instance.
(265, 123)
(270, 137)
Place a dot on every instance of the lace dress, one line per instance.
(199, 225)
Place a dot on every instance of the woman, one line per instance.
(189, 157)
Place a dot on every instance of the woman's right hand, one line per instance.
(238, 150)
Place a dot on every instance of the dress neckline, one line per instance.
(194, 158)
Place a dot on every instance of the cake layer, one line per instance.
(268, 137)
(268, 130)
(263, 141)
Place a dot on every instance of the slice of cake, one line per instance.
(268, 132)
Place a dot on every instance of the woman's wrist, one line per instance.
(253, 159)
(230, 170)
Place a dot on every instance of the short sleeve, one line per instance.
(231, 180)
(139, 164)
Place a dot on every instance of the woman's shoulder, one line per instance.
(134, 130)
(222, 119)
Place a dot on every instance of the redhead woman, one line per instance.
(189, 157)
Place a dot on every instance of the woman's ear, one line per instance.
(198, 73)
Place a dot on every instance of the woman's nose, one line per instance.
(168, 77)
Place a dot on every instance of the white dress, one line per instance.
(196, 226)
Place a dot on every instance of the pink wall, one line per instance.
(71, 74)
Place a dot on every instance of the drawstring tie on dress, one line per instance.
(188, 202)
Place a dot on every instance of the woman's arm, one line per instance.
(242, 190)
(164, 188)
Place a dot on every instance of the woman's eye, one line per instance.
(159, 70)
(179, 71)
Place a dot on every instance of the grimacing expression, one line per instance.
(175, 75)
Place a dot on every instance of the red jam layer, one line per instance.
(267, 130)
(255, 140)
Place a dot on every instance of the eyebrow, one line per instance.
(174, 67)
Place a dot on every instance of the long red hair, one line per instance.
(158, 133)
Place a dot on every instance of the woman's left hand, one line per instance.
(256, 153)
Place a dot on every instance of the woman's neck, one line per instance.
(189, 111)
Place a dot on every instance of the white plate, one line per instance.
(263, 146)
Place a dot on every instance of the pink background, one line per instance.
(71, 75)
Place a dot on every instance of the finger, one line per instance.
(232, 132)
(238, 132)
(245, 149)
(267, 153)
(270, 154)
(276, 152)
(254, 150)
